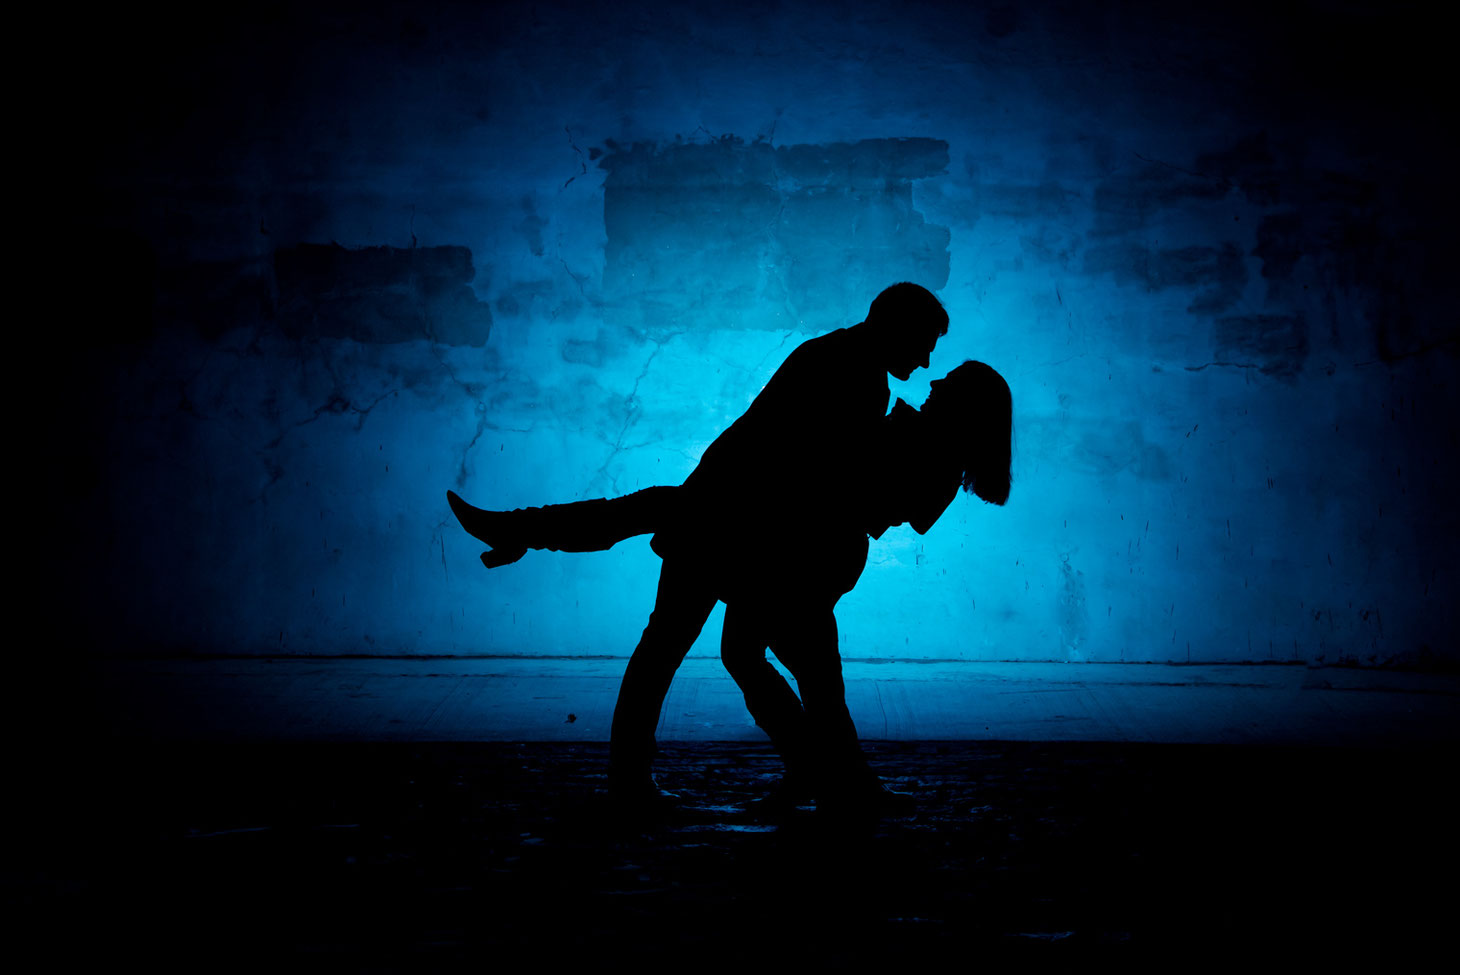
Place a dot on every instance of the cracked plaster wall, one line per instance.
(339, 262)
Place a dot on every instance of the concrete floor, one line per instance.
(556, 699)
(429, 815)
(498, 856)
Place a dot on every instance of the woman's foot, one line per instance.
(502, 556)
(495, 528)
(639, 795)
(789, 793)
(867, 801)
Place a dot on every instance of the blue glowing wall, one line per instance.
(338, 262)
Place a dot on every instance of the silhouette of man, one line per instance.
(775, 475)
(782, 580)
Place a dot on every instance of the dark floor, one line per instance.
(388, 856)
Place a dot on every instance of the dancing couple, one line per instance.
(774, 522)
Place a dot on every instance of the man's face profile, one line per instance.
(913, 351)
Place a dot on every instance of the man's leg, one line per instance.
(680, 610)
(770, 700)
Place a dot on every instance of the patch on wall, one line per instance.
(1280, 245)
(380, 294)
(727, 234)
(1129, 200)
(1070, 611)
(1215, 275)
(1275, 345)
(1099, 445)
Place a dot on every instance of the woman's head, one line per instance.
(975, 410)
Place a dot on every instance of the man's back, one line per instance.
(829, 394)
(777, 473)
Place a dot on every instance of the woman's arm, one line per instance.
(930, 507)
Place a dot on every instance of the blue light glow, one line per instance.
(570, 252)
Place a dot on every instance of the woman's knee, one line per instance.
(738, 661)
(816, 666)
(819, 678)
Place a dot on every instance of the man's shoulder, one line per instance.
(842, 349)
(835, 340)
(834, 372)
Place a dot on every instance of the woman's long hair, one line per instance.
(983, 408)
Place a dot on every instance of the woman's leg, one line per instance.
(806, 642)
(770, 700)
(680, 610)
(580, 526)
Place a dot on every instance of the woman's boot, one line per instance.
(580, 526)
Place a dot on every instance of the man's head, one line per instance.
(908, 320)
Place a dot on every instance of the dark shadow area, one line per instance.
(381, 857)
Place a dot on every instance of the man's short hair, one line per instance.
(906, 302)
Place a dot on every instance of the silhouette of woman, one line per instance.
(910, 473)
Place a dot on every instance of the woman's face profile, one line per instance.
(940, 391)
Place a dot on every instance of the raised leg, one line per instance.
(580, 526)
